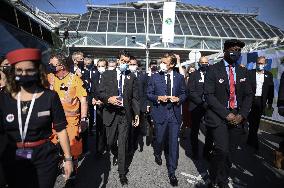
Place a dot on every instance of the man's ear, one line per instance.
(172, 64)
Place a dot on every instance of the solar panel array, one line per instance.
(190, 21)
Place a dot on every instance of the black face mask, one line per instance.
(52, 68)
(89, 66)
(233, 57)
(81, 64)
(154, 68)
(26, 81)
(203, 67)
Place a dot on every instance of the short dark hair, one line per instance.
(2, 58)
(102, 59)
(233, 42)
(153, 62)
(124, 53)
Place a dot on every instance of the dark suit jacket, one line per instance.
(217, 92)
(109, 87)
(195, 88)
(142, 82)
(157, 87)
(280, 101)
(267, 88)
(95, 86)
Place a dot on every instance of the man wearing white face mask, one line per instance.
(111, 65)
(137, 133)
(98, 106)
(263, 87)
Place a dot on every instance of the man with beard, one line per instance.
(228, 94)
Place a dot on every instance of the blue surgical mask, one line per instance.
(123, 67)
(260, 67)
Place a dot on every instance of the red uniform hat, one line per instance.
(25, 54)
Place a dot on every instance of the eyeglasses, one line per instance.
(27, 71)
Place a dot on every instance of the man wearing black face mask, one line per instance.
(229, 96)
(198, 106)
(78, 59)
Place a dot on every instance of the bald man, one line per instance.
(198, 106)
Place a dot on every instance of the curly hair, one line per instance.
(63, 60)
(13, 87)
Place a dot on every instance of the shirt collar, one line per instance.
(227, 64)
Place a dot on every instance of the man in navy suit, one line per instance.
(166, 90)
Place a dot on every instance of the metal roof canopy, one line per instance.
(196, 28)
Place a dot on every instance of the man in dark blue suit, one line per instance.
(166, 90)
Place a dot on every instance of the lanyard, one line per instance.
(23, 133)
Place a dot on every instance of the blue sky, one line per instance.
(270, 11)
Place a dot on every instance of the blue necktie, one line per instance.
(169, 85)
(120, 86)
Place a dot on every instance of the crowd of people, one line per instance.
(48, 113)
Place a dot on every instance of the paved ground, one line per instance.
(253, 170)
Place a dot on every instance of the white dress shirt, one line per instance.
(259, 83)
(172, 80)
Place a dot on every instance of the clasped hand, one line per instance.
(234, 119)
(114, 100)
(173, 99)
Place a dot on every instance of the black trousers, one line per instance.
(117, 139)
(137, 133)
(226, 140)
(3, 143)
(254, 120)
(101, 139)
(91, 117)
(39, 172)
(197, 115)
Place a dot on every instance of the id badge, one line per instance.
(24, 153)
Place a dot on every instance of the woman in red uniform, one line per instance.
(27, 112)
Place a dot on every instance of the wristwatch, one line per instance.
(84, 119)
(68, 159)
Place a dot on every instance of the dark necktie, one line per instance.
(169, 85)
(120, 86)
(232, 100)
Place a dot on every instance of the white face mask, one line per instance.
(133, 68)
(111, 68)
(101, 69)
(163, 67)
